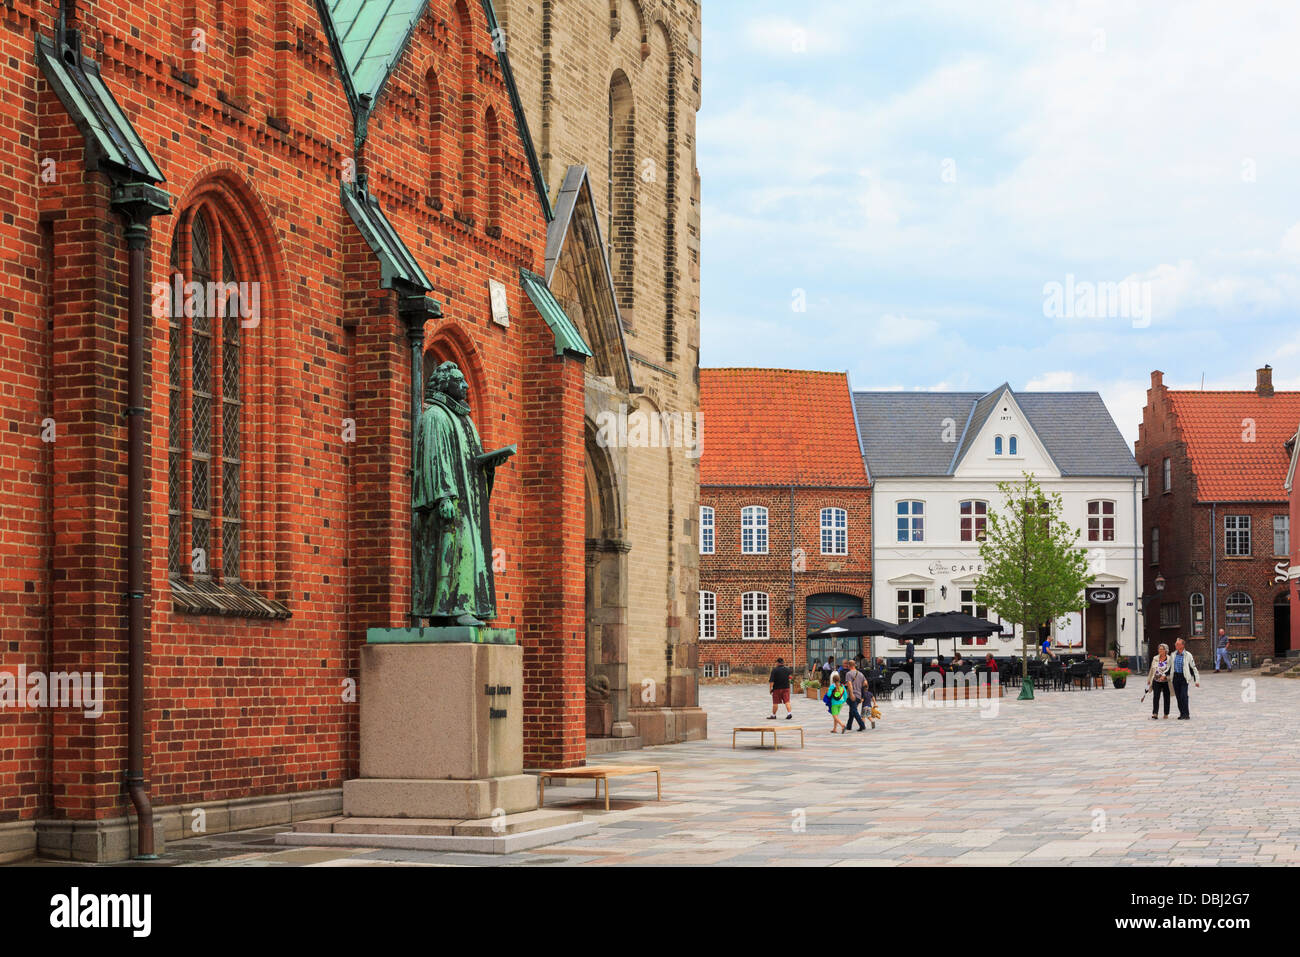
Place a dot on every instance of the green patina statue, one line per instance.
(449, 496)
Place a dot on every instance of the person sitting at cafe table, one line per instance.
(990, 662)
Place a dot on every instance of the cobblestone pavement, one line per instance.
(1077, 778)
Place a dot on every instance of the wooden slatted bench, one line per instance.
(764, 729)
(598, 773)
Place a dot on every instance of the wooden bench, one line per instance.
(598, 773)
(764, 729)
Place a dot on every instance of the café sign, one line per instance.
(1102, 596)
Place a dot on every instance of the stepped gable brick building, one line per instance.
(358, 172)
(1216, 516)
(611, 89)
(785, 522)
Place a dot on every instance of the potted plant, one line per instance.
(1119, 677)
(812, 689)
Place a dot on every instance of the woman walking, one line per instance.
(1158, 681)
(838, 696)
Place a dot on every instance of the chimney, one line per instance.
(1264, 381)
(1157, 379)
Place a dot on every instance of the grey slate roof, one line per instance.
(903, 432)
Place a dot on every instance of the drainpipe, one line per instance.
(794, 646)
(1214, 572)
(138, 202)
(1139, 591)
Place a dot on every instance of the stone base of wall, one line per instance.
(113, 839)
(17, 840)
(669, 725)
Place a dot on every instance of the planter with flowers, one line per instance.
(1119, 677)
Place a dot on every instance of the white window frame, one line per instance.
(753, 526)
(1196, 603)
(1284, 529)
(1013, 445)
(724, 669)
(835, 531)
(1229, 625)
(910, 603)
(1235, 528)
(754, 620)
(1101, 516)
(998, 444)
(706, 670)
(708, 615)
(707, 537)
(915, 520)
(974, 515)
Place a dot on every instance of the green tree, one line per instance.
(1034, 569)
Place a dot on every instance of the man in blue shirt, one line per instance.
(1184, 671)
(1221, 652)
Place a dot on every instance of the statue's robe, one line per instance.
(452, 571)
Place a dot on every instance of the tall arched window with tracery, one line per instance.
(205, 399)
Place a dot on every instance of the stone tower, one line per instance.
(611, 89)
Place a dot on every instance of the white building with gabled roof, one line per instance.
(935, 460)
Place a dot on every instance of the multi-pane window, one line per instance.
(1154, 556)
(1240, 619)
(1197, 604)
(753, 530)
(753, 615)
(1101, 521)
(1169, 615)
(1168, 475)
(708, 615)
(974, 519)
(1281, 534)
(724, 669)
(707, 671)
(835, 534)
(911, 604)
(1236, 535)
(204, 440)
(706, 530)
(969, 607)
(911, 521)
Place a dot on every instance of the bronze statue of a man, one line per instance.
(452, 483)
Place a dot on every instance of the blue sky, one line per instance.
(915, 173)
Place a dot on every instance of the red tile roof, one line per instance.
(778, 427)
(1217, 428)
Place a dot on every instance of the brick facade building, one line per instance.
(1215, 466)
(785, 525)
(369, 192)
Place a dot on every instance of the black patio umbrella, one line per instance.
(860, 626)
(947, 624)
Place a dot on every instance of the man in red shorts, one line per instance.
(778, 682)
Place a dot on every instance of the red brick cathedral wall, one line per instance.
(259, 125)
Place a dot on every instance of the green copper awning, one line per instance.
(368, 37)
(112, 144)
(396, 264)
(568, 340)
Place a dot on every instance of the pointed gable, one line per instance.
(999, 415)
(367, 38)
(578, 275)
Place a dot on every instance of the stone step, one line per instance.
(597, 746)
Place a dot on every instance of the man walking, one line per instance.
(854, 681)
(1184, 671)
(1221, 651)
(778, 682)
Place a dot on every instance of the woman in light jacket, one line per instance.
(1162, 669)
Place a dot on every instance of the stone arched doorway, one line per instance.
(606, 596)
